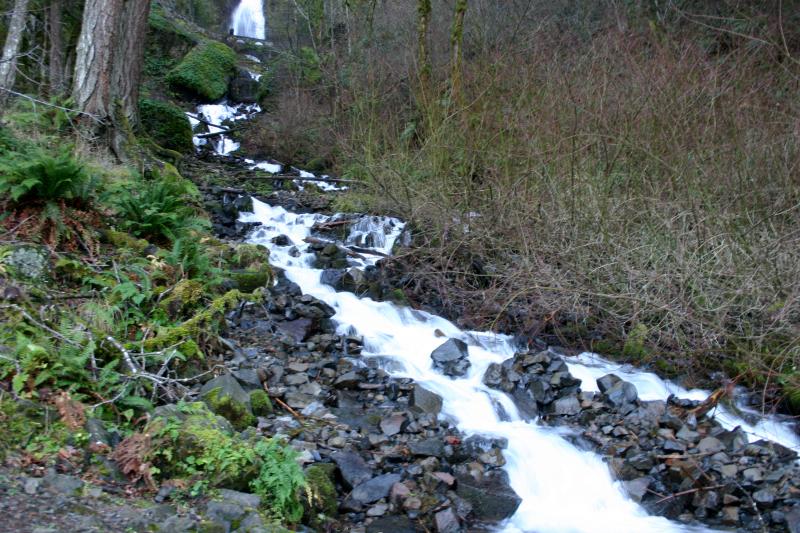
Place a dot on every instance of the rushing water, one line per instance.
(563, 488)
(248, 20)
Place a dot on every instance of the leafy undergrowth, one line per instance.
(114, 310)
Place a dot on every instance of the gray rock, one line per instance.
(494, 376)
(492, 498)
(606, 382)
(243, 499)
(353, 469)
(98, 434)
(565, 406)
(764, 497)
(296, 379)
(177, 524)
(424, 401)
(621, 393)
(392, 524)
(451, 358)
(29, 261)
(427, 448)
(225, 386)
(793, 519)
(394, 424)
(62, 484)
(298, 400)
(31, 485)
(710, 445)
(348, 380)
(373, 490)
(447, 521)
(224, 513)
(637, 488)
(299, 329)
(248, 379)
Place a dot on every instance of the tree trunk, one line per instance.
(456, 42)
(108, 67)
(423, 57)
(57, 52)
(8, 63)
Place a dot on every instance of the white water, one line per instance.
(248, 20)
(563, 489)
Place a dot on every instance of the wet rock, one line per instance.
(352, 467)
(348, 380)
(299, 329)
(451, 358)
(616, 391)
(710, 445)
(637, 488)
(393, 424)
(427, 447)
(565, 406)
(332, 277)
(447, 521)
(371, 491)
(282, 240)
(492, 498)
(425, 401)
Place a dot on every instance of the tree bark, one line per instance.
(423, 57)
(57, 52)
(8, 62)
(108, 67)
(456, 42)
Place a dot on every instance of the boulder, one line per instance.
(424, 401)
(225, 397)
(352, 468)
(451, 358)
(492, 498)
(371, 491)
(244, 88)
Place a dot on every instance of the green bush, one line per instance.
(41, 176)
(158, 211)
(166, 124)
(205, 71)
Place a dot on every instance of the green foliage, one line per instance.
(260, 403)
(321, 493)
(166, 124)
(636, 342)
(190, 260)
(158, 210)
(205, 71)
(235, 412)
(280, 479)
(307, 66)
(41, 176)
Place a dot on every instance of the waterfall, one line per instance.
(248, 20)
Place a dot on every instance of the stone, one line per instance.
(494, 376)
(710, 445)
(606, 382)
(392, 524)
(348, 380)
(98, 434)
(244, 88)
(296, 379)
(29, 261)
(730, 516)
(637, 488)
(243, 499)
(393, 424)
(621, 393)
(378, 509)
(492, 498)
(424, 401)
(427, 447)
(451, 358)
(764, 497)
(62, 483)
(224, 396)
(447, 521)
(374, 489)
(353, 469)
(793, 519)
(753, 475)
(565, 406)
(299, 329)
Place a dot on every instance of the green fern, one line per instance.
(280, 480)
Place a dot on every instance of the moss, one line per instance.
(236, 413)
(250, 256)
(166, 124)
(397, 296)
(198, 325)
(120, 239)
(321, 493)
(248, 281)
(186, 295)
(205, 71)
(260, 403)
(634, 347)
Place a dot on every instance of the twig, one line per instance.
(42, 102)
(291, 411)
(690, 491)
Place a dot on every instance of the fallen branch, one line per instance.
(690, 491)
(278, 177)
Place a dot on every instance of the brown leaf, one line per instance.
(72, 412)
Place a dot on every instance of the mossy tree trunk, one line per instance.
(423, 56)
(456, 42)
(108, 67)
(8, 63)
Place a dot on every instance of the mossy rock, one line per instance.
(166, 124)
(120, 239)
(250, 256)
(27, 261)
(260, 403)
(248, 281)
(321, 493)
(205, 71)
(186, 295)
(225, 397)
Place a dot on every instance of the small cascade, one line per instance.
(248, 20)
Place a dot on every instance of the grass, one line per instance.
(629, 189)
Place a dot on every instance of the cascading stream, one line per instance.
(248, 20)
(563, 489)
